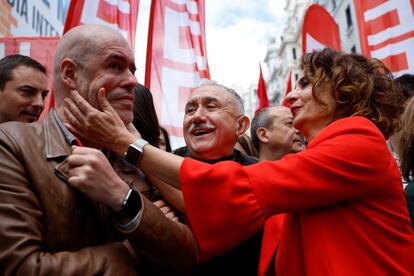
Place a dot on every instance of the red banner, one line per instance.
(319, 30)
(120, 15)
(386, 30)
(176, 59)
(263, 101)
(288, 89)
(41, 49)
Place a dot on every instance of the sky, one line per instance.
(237, 35)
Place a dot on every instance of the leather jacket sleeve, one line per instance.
(165, 247)
(23, 249)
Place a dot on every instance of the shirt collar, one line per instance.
(70, 138)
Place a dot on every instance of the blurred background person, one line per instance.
(406, 85)
(146, 122)
(145, 117)
(164, 140)
(406, 153)
(273, 133)
(23, 89)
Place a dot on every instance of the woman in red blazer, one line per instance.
(344, 202)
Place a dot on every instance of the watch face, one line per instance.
(134, 152)
(132, 155)
(130, 207)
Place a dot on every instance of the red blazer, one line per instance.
(345, 205)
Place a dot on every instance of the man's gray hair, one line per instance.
(261, 119)
(232, 92)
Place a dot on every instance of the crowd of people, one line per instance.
(95, 188)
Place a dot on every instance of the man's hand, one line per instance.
(166, 209)
(91, 173)
(99, 128)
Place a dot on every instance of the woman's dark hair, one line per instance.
(406, 84)
(359, 85)
(406, 141)
(145, 118)
(167, 139)
(246, 144)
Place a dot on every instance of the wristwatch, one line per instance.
(131, 205)
(134, 153)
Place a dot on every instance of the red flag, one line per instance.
(386, 30)
(261, 92)
(41, 49)
(120, 15)
(288, 89)
(319, 30)
(176, 59)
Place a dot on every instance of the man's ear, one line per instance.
(69, 72)
(244, 123)
(261, 133)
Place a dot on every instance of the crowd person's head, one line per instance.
(406, 84)
(145, 117)
(164, 140)
(337, 85)
(23, 88)
(91, 57)
(406, 141)
(214, 120)
(273, 133)
(245, 145)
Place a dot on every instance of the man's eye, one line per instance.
(115, 66)
(26, 92)
(189, 110)
(211, 106)
(44, 95)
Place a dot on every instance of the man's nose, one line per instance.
(292, 96)
(38, 101)
(130, 80)
(199, 115)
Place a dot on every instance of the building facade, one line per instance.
(32, 17)
(283, 54)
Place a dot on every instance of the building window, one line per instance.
(348, 17)
(294, 53)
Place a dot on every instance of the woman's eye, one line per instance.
(303, 82)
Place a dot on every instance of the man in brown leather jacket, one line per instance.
(50, 227)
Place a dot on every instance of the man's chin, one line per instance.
(204, 152)
(126, 117)
(26, 118)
